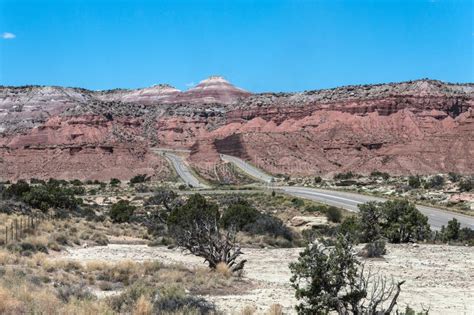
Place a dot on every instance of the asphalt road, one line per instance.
(248, 168)
(183, 171)
(350, 201)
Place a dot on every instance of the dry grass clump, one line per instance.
(275, 309)
(7, 258)
(223, 270)
(248, 310)
(143, 306)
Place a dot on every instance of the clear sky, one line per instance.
(265, 45)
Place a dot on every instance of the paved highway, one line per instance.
(349, 201)
(183, 171)
(248, 168)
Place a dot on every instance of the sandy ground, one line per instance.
(438, 277)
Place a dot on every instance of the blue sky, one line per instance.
(258, 45)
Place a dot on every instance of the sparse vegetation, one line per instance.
(332, 280)
(121, 211)
(195, 226)
(414, 181)
(141, 178)
(399, 221)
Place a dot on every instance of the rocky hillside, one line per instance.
(422, 126)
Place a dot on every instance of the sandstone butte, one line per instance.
(415, 127)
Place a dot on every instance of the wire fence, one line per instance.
(20, 227)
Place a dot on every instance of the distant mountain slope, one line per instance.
(422, 126)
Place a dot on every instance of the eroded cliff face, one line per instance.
(413, 127)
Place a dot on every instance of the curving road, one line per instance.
(248, 168)
(182, 169)
(349, 201)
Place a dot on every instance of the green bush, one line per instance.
(197, 208)
(383, 175)
(333, 214)
(76, 182)
(350, 228)
(267, 224)
(297, 202)
(414, 181)
(327, 280)
(435, 182)
(141, 178)
(454, 177)
(45, 196)
(374, 249)
(399, 221)
(114, 182)
(121, 211)
(466, 184)
(343, 176)
(239, 214)
(17, 190)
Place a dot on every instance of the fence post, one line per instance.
(11, 231)
(16, 229)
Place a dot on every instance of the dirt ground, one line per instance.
(438, 277)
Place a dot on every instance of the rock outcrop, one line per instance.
(422, 126)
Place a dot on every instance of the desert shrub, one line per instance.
(466, 235)
(61, 238)
(399, 221)
(374, 249)
(196, 208)
(297, 202)
(333, 214)
(383, 175)
(121, 211)
(403, 222)
(435, 182)
(329, 279)
(67, 292)
(318, 180)
(76, 182)
(51, 195)
(370, 221)
(454, 177)
(175, 300)
(17, 190)
(350, 228)
(37, 181)
(414, 181)
(239, 214)
(143, 307)
(451, 232)
(343, 176)
(466, 184)
(114, 182)
(141, 178)
(125, 302)
(410, 311)
(242, 216)
(315, 208)
(182, 187)
(100, 239)
(195, 226)
(267, 224)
